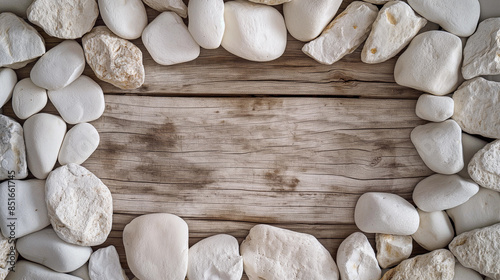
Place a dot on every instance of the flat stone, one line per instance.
(275, 253)
(104, 264)
(17, 7)
(82, 272)
(206, 22)
(385, 213)
(434, 231)
(28, 99)
(168, 40)
(254, 32)
(8, 80)
(79, 144)
(434, 108)
(126, 19)
(13, 164)
(464, 273)
(484, 167)
(306, 19)
(431, 63)
(489, 9)
(394, 28)
(43, 135)
(356, 259)
(344, 34)
(481, 210)
(392, 249)
(21, 44)
(80, 206)
(439, 264)
(46, 248)
(215, 257)
(160, 240)
(470, 146)
(81, 101)
(478, 249)
(27, 270)
(476, 103)
(177, 6)
(63, 18)
(440, 146)
(440, 192)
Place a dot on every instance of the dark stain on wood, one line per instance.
(279, 182)
(158, 137)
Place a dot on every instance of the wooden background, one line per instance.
(227, 144)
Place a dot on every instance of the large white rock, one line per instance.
(59, 67)
(394, 28)
(21, 42)
(78, 144)
(440, 192)
(476, 103)
(306, 19)
(126, 18)
(159, 240)
(43, 135)
(177, 6)
(440, 146)
(168, 40)
(431, 63)
(254, 32)
(344, 34)
(65, 19)
(482, 49)
(275, 253)
(46, 248)
(489, 9)
(12, 150)
(27, 270)
(206, 22)
(385, 213)
(484, 167)
(459, 17)
(434, 231)
(464, 273)
(215, 257)
(470, 146)
(81, 101)
(8, 80)
(392, 249)
(17, 7)
(481, 210)
(434, 108)
(28, 99)
(82, 272)
(356, 252)
(439, 264)
(104, 264)
(478, 249)
(80, 206)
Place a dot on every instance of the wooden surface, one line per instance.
(226, 143)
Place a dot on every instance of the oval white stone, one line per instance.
(206, 22)
(28, 99)
(356, 252)
(8, 80)
(28, 270)
(79, 143)
(126, 18)
(434, 108)
(434, 231)
(464, 273)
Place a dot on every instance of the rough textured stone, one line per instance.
(28, 270)
(274, 253)
(8, 80)
(177, 6)
(126, 19)
(104, 264)
(13, 163)
(434, 108)
(464, 273)
(8, 255)
(206, 22)
(484, 167)
(392, 249)
(80, 206)
(439, 265)
(28, 99)
(78, 144)
(114, 60)
(434, 231)
(470, 145)
(356, 252)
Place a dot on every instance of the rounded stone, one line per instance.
(79, 144)
(28, 99)
(8, 80)
(126, 19)
(206, 22)
(27, 270)
(434, 231)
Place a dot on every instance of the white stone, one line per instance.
(464, 273)
(306, 19)
(43, 135)
(160, 240)
(270, 2)
(344, 34)
(489, 9)
(8, 80)
(215, 257)
(78, 144)
(206, 22)
(177, 6)
(481, 210)
(46, 248)
(392, 249)
(459, 17)
(59, 67)
(387, 213)
(17, 7)
(114, 60)
(168, 40)
(482, 51)
(275, 253)
(20, 43)
(470, 146)
(81, 101)
(440, 146)
(254, 32)
(65, 19)
(126, 18)
(434, 231)
(82, 272)
(478, 249)
(394, 28)
(28, 99)
(484, 167)
(12, 150)
(439, 264)
(434, 108)
(356, 259)
(25, 270)
(104, 264)
(431, 63)
(440, 192)
(476, 103)
(377, 2)
(80, 206)
(8, 255)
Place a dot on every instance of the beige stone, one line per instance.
(177, 6)
(439, 264)
(392, 249)
(484, 167)
(356, 252)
